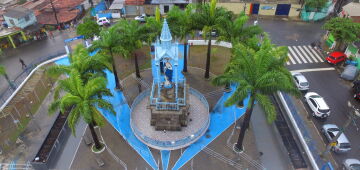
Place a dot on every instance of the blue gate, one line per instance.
(282, 9)
(255, 9)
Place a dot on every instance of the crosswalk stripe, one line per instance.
(287, 63)
(294, 55)
(291, 59)
(301, 56)
(316, 54)
(306, 51)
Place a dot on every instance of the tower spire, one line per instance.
(165, 33)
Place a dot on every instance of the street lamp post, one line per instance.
(353, 115)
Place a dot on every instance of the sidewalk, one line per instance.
(269, 142)
(34, 134)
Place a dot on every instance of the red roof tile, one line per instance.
(48, 17)
(134, 2)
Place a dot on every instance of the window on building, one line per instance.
(166, 8)
(12, 21)
(27, 18)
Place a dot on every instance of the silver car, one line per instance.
(342, 143)
(300, 81)
(351, 164)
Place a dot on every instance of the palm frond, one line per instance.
(54, 106)
(73, 119)
(267, 105)
(97, 117)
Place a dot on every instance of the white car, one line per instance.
(103, 21)
(317, 105)
(141, 18)
(300, 81)
(351, 164)
(342, 143)
(213, 33)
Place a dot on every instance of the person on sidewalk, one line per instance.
(51, 36)
(23, 65)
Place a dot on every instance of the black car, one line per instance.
(356, 89)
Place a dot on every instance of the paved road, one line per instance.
(336, 93)
(292, 33)
(29, 53)
(298, 36)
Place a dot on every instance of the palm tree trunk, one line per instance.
(245, 124)
(117, 83)
(94, 136)
(207, 70)
(185, 57)
(137, 70)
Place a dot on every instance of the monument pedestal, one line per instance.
(170, 120)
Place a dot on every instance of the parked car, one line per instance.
(356, 89)
(336, 57)
(300, 81)
(317, 105)
(213, 33)
(350, 72)
(103, 21)
(351, 164)
(342, 143)
(140, 18)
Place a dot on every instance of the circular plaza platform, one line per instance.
(170, 140)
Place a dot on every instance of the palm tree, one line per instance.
(151, 29)
(109, 44)
(132, 37)
(3, 73)
(257, 73)
(181, 25)
(82, 99)
(209, 18)
(235, 31)
(88, 66)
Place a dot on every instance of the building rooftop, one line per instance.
(134, 2)
(352, 9)
(17, 12)
(48, 17)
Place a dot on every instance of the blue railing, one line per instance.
(168, 105)
(22, 76)
(176, 143)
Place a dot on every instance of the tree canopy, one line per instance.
(257, 72)
(344, 30)
(315, 4)
(236, 31)
(88, 28)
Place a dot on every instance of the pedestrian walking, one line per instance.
(23, 65)
(51, 34)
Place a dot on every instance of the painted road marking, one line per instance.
(294, 55)
(313, 69)
(316, 54)
(291, 59)
(302, 56)
(307, 52)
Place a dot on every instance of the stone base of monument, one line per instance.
(170, 120)
(165, 130)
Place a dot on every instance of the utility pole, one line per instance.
(53, 8)
(338, 6)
